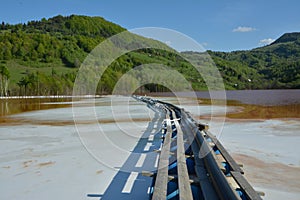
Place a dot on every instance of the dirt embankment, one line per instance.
(265, 174)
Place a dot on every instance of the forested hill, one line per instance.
(42, 58)
(277, 64)
(288, 37)
(65, 39)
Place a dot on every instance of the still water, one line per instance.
(19, 105)
(260, 97)
(263, 104)
(255, 97)
(41, 154)
(253, 104)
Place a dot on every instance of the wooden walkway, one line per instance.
(161, 183)
(217, 175)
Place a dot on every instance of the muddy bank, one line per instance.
(266, 174)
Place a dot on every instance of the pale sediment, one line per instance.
(42, 155)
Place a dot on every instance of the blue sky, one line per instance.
(220, 25)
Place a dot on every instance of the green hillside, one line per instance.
(43, 57)
(273, 66)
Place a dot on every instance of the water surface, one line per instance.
(257, 97)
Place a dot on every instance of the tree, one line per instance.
(24, 82)
(3, 25)
(4, 76)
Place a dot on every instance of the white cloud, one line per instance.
(243, 29)
(169, 43)
(266, 41)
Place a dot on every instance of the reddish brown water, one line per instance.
(250, 111)
(255, 104)
(14, 106)
(256, 97)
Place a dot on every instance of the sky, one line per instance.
(218, 25)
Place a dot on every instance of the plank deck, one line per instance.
(185, 191)
(161, 182)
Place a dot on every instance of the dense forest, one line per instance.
(277, 64)
(43, 57)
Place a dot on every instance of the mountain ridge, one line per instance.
(288, 37)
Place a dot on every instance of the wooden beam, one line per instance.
(184, 187)
(245, 186)
(161, 182)
(233, 165)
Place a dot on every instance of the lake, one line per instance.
(41, 153)
(280, 98)
(258, 97)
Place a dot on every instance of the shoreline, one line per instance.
(258, 172)
(50, 97)
(241, 112)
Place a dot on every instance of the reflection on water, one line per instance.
(14, 106)
(249, 111)
(254, 104)
(260, 97)
(255, 97)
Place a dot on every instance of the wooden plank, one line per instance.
(185, 191)
(203, 127)
(192, 178)
(232, 182)
(233, 165)
(245, 186)
(161, 182)
(220, 158)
